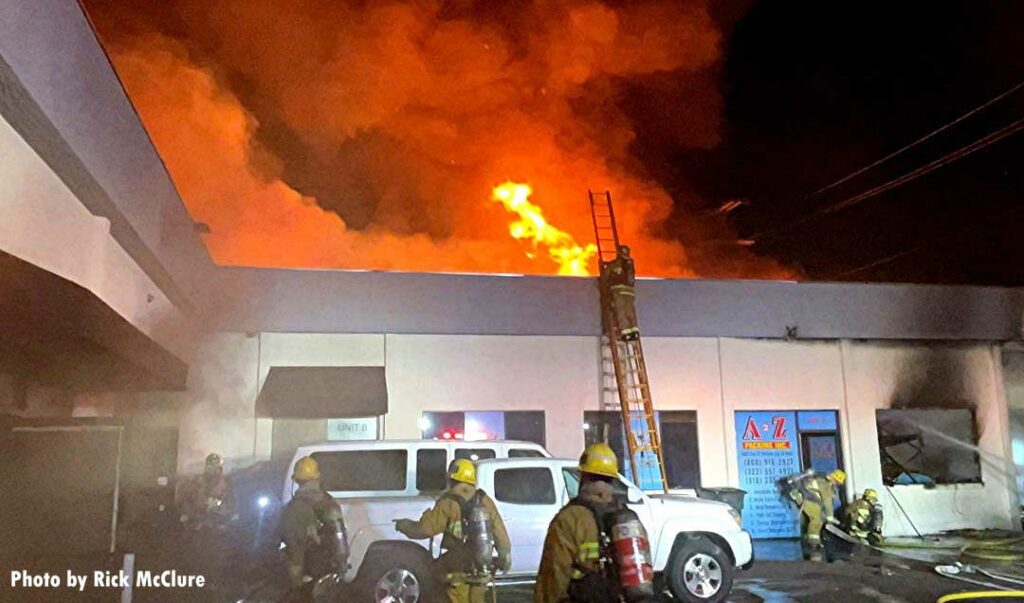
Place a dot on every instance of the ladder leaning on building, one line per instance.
(634, 391)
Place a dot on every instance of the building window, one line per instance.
(527, 486)
(525, 425)
(678, 430)
(928, 446)
(363, 471)
(431, 470)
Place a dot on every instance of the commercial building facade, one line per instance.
(749, 377)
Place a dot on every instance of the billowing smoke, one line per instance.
(369, 135)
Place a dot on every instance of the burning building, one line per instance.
(117, 321)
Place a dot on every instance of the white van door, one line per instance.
(527, 500)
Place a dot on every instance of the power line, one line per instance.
(913, 144)
(948, 236)
(929, 167)
(960, 153)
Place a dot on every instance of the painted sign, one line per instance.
(767, 448)
(352, 429)
(817, 420)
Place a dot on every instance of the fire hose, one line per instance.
(981, 594)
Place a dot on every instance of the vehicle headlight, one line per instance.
(263, 502)
(736, 517)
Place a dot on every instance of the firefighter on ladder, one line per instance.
(580, 561)
(464, 515)
(620, 280)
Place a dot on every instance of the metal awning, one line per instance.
(321, 392)
(55, 332)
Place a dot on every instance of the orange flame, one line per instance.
(572, 259)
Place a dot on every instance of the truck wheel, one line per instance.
(396, 576)
(700, 572)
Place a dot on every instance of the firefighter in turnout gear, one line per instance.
(459, 515)
(313, 531)
(815, 495)
(620, 281)
(208, 501)
(864, 518)
(575, 565)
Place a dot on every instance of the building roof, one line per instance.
(325, 301)
(60, 93)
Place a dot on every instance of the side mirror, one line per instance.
(634, 496)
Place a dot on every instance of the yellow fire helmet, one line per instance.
(462, 470)
(306, 469)
(838, 476)
(599, 459)
(870, 495)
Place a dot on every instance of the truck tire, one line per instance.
(398, 575)
(699, 572)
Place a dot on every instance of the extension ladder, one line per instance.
(627, 357)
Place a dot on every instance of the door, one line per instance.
(680, 448)
(527, 500)
(821, 453)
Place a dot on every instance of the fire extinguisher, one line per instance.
(631, 553)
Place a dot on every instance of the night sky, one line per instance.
(816, 90)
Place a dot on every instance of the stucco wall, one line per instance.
(45, 224)
(561, 375)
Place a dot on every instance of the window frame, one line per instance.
(543, 503)
(415, 481)
(390, 449)
(975, 455)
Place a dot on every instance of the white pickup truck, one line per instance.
(697, 544)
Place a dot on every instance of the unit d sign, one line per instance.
(352, 429)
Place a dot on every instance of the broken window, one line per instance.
(928, 446)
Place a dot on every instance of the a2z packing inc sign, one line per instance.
(767, 449)
(754, 439)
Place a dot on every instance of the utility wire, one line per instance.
(929, 167)
(947, 237)
(931, 134)
(900, 180)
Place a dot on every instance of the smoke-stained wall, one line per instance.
(713, 376)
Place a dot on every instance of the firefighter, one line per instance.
(620, 280)
(465, 583)
(815, 495)
(312, 531)
(864, 518)
(572, 566)
(209, 499)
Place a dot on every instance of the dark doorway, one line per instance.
(679, 444)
